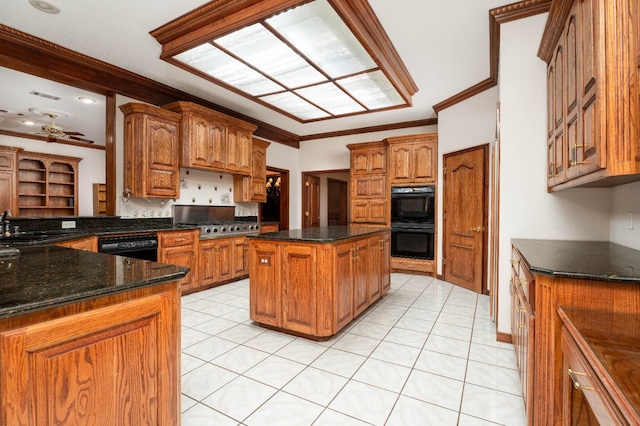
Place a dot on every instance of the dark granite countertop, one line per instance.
(45, 276)
(325, 234)
(591, 260)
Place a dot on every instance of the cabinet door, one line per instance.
(240, 257)
(259, 175)
(8, 196)
(86, 244)
(359, 211)
(423, 163)
(400, 172)
(299, 288)
(238, 151)
(557, 147)
(200, 145)
(361, 276)
(377, 160)
(265, 295)
(206, 262)
(360, 162)
(385, 263)
(181, 256)
(343, 274)
(223, 259)
(218, 143)
(571, 107)
(162, 154)
(378, 211)
(87, 368)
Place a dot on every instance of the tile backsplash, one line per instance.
(196, 187)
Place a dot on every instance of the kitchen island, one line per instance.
(88, 338)
(312, 282)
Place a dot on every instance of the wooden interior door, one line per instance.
(465, 218)
(336, 202)
(311, 205)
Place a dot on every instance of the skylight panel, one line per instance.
(218, 64)
(263, 50)
(295, 106)
(373, 90)
(331, 98)
(319, 33)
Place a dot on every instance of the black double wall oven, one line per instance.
(412, 221)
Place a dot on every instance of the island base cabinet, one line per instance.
(109, 361)
(315, 289)
(265, 289)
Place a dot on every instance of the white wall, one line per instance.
(91, 168)
(285, 157)
(625, 200)
(526, 209)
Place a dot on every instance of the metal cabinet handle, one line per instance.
(577, 385)
(477, 229)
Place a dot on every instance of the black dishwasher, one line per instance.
(136, 246)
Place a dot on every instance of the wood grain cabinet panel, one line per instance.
(369, 185)
(110, 361)
(151, 151)
(590, 47)
(8, 179)
(87, 244)
(180, 248)
(413, 159)
(213, 141)
(315, 289)
(253, 188)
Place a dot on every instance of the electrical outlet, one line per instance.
(68, 224)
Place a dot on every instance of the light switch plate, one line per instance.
(630, 220)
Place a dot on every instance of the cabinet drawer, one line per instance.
(176, 239)
(580, 383)
(522, 278)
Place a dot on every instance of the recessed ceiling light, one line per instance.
(86, 100)
(44, 6)
(28, 123)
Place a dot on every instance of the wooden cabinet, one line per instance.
(522, 287)
(151, 148)
(180, 248)
(539, 352)
(413, 159)
(213, 141)
(8, 179)
(269, 227)
(87, 244)
(47, 185)
(87, 362)
(369, 186)
(591, 47)
(315, 289)
(253, 188)
(240, 257)
(265, 295)
(222, 259)
(99, 199)
(600, 360)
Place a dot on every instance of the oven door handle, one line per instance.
(414, 230)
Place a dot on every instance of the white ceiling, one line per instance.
(443, 43)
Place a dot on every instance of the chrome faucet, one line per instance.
(6, 226)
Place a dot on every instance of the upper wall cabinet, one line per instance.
(591, 49)
(253, 188)
(412, 159)
(369, 185)
(151, 147)
(213, 141)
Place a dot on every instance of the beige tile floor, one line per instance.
(425, 354)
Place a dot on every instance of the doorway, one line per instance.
(276, 207)
(336, 202)
(335, 193)
(465, 218)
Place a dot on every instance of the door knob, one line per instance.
(477, 229)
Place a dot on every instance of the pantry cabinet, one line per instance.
(591, 50)
(213, 141)
(413, 159)
(369, 186)
(151, 147)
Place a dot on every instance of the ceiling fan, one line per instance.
(53, 131)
